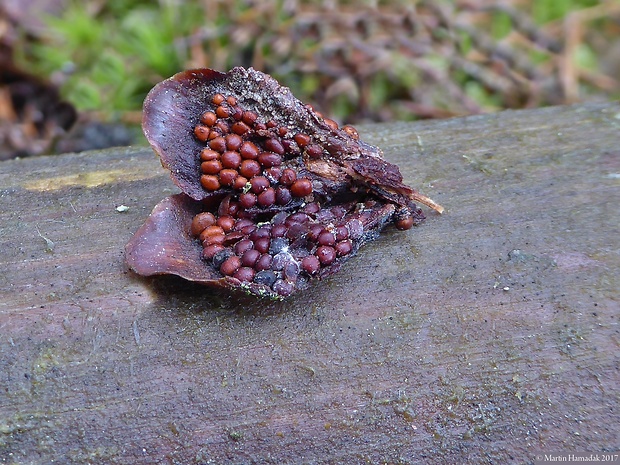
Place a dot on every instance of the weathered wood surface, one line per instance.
(486, 335)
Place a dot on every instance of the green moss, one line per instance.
(109, 55)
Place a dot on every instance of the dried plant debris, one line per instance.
(274, 194)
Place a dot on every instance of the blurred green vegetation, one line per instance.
(112, 57)
(355, 61)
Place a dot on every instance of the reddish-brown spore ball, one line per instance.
(269, 159)
(218, 144)
(209, 251)
(242, 246)
(222, 111)
(210, 182)
(244, 274)
(259, 184)
(263, 262)
(302, 139)
(249, 117)
(208, 118)
(263, 231)
(310, 264)
(247, 200)
(208, 155)
(274, 145)
(288, 177)
(404, 223)
(262, 244)
(231, 100)
(248, 229)
(240, 128)
(344, 247)
(202, 133)
(240, 182)
(228, 176)
(301, 187)
(214, 239)
(325, 254)
(211, 167)
(250, 168)
(231, 160)
(342, 233)
(314, 151)
(218, 99)
(215, 132)
(225, 222)
(201, 221)
(233, 141)
(230, 265)
(212, 230)
(326, 238)
(350, 130)
(267, 198)
(331, 123)
(250, 257)
(242, 223)
(249, 150)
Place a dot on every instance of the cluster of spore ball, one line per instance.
(269, 228)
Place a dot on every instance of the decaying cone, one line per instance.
(273, 193)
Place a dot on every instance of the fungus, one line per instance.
(273, 194)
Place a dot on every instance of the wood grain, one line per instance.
(488, 334)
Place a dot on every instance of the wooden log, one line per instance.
(488, 334)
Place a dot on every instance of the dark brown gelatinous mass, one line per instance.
(274, 195)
